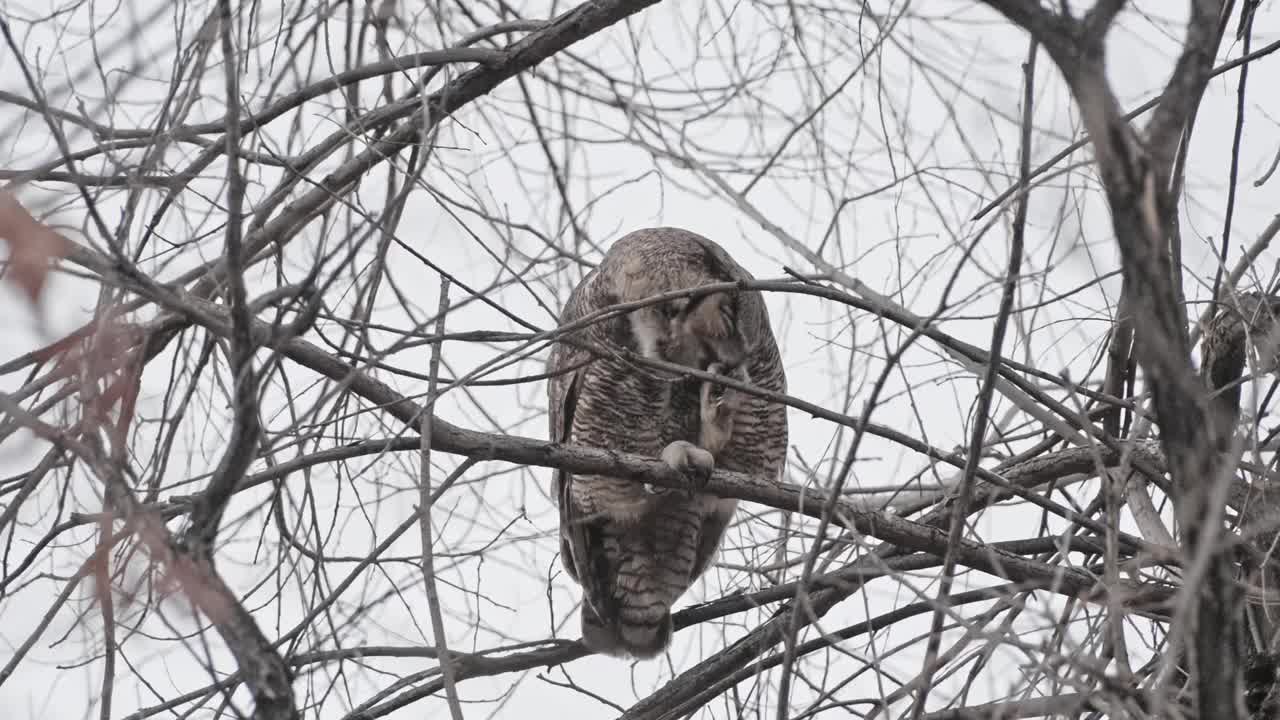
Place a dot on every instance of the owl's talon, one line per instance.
(715, 396)
(718, 404)
(693, 462)
(698, 476)
(710, 393)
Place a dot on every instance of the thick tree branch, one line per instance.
(242, 444)
(1136, 176)
(1187, 82)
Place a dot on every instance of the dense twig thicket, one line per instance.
(280, 280)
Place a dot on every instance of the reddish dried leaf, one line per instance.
(103, 360)
(33, 246)
(95, 348)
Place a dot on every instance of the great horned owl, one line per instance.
(635, 549)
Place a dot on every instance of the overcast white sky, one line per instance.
(923, 135)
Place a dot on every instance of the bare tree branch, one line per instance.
(1136, 175)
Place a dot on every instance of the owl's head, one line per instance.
(695, 332)
(688, 331)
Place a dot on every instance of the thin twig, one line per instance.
(424, 521)
(987, 393)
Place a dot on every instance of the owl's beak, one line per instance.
(728, 352)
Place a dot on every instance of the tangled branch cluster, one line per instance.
(309, 337)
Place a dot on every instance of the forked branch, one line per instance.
(1137, 174)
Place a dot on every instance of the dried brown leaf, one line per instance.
(33, 246)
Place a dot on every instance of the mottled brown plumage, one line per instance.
(1249, 321)
(634, 549)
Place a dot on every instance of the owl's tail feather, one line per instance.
(644, 638)
(640, 638)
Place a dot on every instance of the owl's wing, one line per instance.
(571, 532)
(709, 536)
(582, 542)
